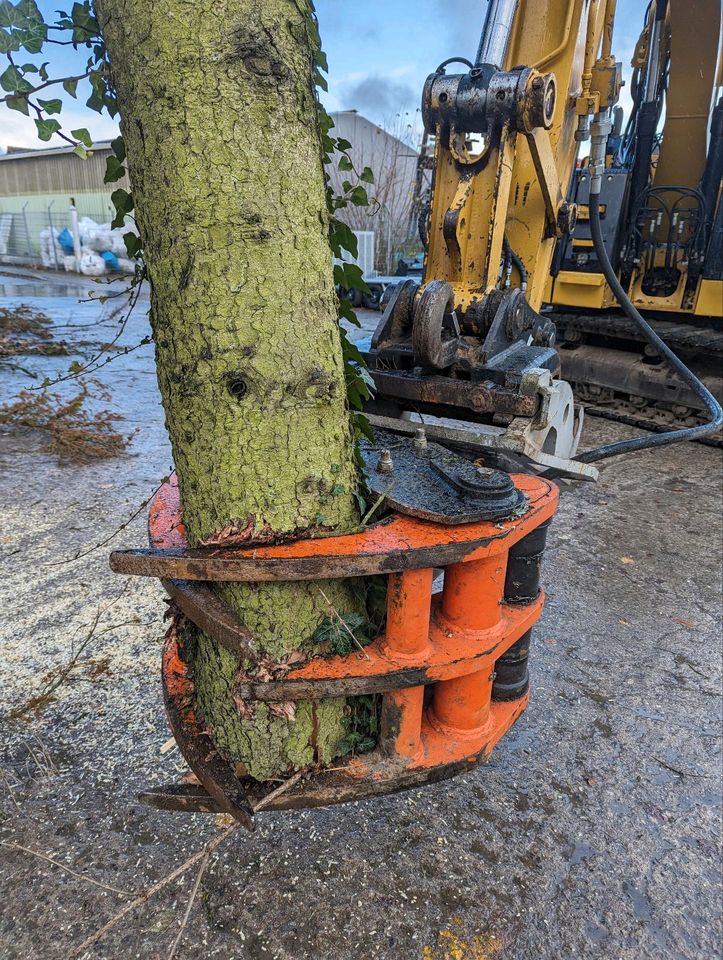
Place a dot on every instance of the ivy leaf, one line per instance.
(111, 104)
(46, 128)
(367, 378)
(345, 163)
(18, 103)
(367, 175)
(352, 352)
(133, 244)
(346, 312)
(82, 135)
(51, 106)
(114, 170)
(359, 197)
(9, 41)
(342, 144)
(123, 203)
(80, 151)
(12, 81)
(327, 144)
(363, 427)
(71, 86)
(119, 148)
(29, 9)
(34, 36)
(342, 237)
(10, 15)
(351, 277)
(85, 25)
(95, 102)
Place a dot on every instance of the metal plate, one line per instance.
(377, 670)
(214, 617)
(428, 481)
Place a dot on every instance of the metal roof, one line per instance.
(30, 153)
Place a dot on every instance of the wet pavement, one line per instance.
(594, 831)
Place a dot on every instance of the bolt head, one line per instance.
(385, 464)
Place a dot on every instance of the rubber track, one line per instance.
(681, 336)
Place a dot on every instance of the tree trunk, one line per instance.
(219, 119)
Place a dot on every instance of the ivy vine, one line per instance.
(347, 276)
(24, 32)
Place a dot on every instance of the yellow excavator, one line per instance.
(467, 379)
(470, 350)
(662, 223)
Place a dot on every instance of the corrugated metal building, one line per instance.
(37, 177)
(393, 161)
(37, 188)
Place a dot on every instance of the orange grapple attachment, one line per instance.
(451, 667)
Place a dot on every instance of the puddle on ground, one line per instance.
(21, 290)
(639, 900)
(580, 852)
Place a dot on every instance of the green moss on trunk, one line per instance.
(219, 119)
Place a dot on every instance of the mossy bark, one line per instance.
(220, 123)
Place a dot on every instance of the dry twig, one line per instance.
(335, 613)
(63, 866)
(201, 855)
(57, 677)
(187, 913)
(106, 540)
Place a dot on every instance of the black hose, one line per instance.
(511, 257)
(702, 392)
(521, 269)
(446, 63)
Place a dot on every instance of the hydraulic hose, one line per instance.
(701, 391)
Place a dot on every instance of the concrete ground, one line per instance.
(594, 831)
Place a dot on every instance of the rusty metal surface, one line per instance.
(415, 650)
(198, 749)
(428, 481)
(396, 319)
(477, 396)
(230, 565)
(214, 617)
(376, 669)
(355, 779)
(320, 789)
(400, 543)
(433, 318)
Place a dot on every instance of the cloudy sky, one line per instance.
(379, 51)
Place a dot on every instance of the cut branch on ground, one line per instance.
(68, 430)
(28, 332)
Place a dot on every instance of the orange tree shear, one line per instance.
(451, 667)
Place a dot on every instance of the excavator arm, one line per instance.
(466, 343)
